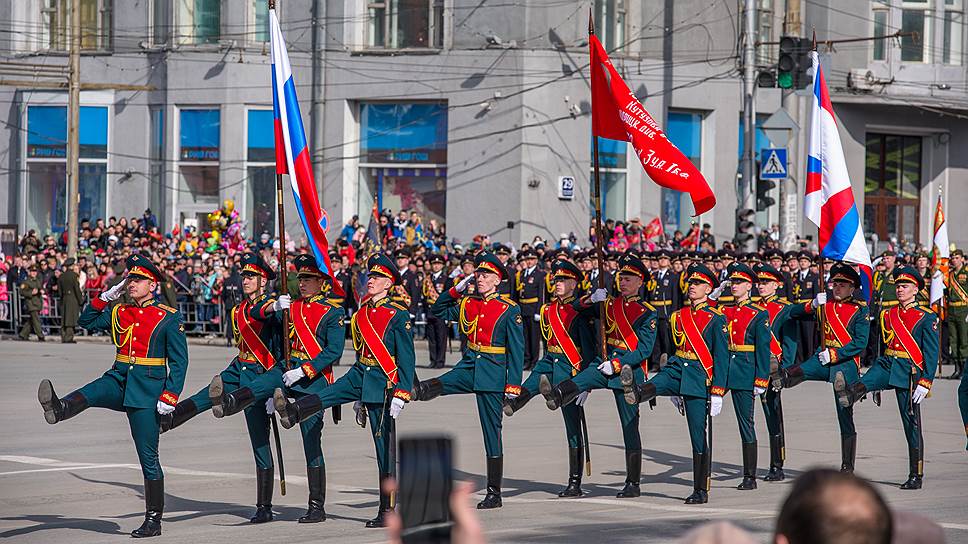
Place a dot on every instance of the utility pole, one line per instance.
(746, 188)
(73, 124)
(789, 188)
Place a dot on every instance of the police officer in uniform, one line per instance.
(503, 254)
(492, 365)
(844, 339)
(71, 300)
(805, 288)
(380, 383)
(407, 290)
(31, 290)
(664, 295)
(695, 376)
(629, 338)
(248, 382)
(433, 285)
(530, 296)
(147, 376)
(908, 365)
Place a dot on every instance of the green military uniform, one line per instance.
(844, 340)
(31, 291)
(909, 363)
(883, 296)
(570, 346)
(957, 316)
(168, 293)
(148, 373)
(71, 300)
(695, 371)
(248, 381)
(491, 367)
(383, 375)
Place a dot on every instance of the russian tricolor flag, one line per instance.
(829, 200)
(292, 151)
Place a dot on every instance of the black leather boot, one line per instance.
(226, 404)
(428, 389)
(749, 467)
(154, 507)
(56, 409)
(495, 473)
(386, 505)
(263, 492)
(916, 472)
(575, 458)
(635, 393)
(633, 474)
(559, 395)
(291, 413)
(184, 411)
(700, 479)
(317, 495)
(848, 452)
(787, 377)
(777, 455)
(513, 405)
(959, 369)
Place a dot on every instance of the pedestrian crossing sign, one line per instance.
(773, 163)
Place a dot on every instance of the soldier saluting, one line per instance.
(147, 376)
(909, 363)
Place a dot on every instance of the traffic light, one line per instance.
(792, 65)
(744, 226)
(763, 198)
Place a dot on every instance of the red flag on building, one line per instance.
(618, 115)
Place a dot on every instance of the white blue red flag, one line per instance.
(829, 200)
(292, 151)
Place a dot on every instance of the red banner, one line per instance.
(653, 229)
(618, 115)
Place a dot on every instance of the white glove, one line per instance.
(164, 408)
(919, 394)
(396, 406)
(715, 405)
(820, 299)
(456, 272)
(606, 368)
(463, 283)
(757, 390)
(281, 303)
(677, 402)
(599, 295)
(582, 398)
(293, 376)
(270, 406)
(114, 292)
(824, 357)
(537, 317)
(718, 291)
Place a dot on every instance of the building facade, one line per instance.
(473, 114)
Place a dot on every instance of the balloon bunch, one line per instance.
(226, 228)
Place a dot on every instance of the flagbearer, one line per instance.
(147, 376)
(844, 339)
(381, 381)
(692, 376)
(630, 326)
(570, 342)
(909, 363)
(492, 364)
(251, 377)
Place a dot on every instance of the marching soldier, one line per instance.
(530, 295)
(844, 338)
(664, 295)
(71, 300)
(147, 376)
(433, 285)
(31, 290)
(957, 316)
(783, 352)
(316, 339)
(806, 285)
(252, 376)
(629, 335)
(909, 363)
(570, 345)
(491, 366)
(381, 381)
(692, 376)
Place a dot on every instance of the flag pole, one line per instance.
(597, 186)
(821, 320)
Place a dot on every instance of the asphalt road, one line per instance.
(79, 480)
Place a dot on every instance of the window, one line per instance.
(684, 129)
(916, 17)
(403, 149)
(198, 21)
(612, 167)
(156, 160)
(260, 21)
(892, 186)
(610, 17)
(402, 24)
(954, 23)
(260, 169)
(880, 29)
(95, 24)
(46, 181)
(198, 156)
(160, 21)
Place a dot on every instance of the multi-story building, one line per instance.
(472, 113)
